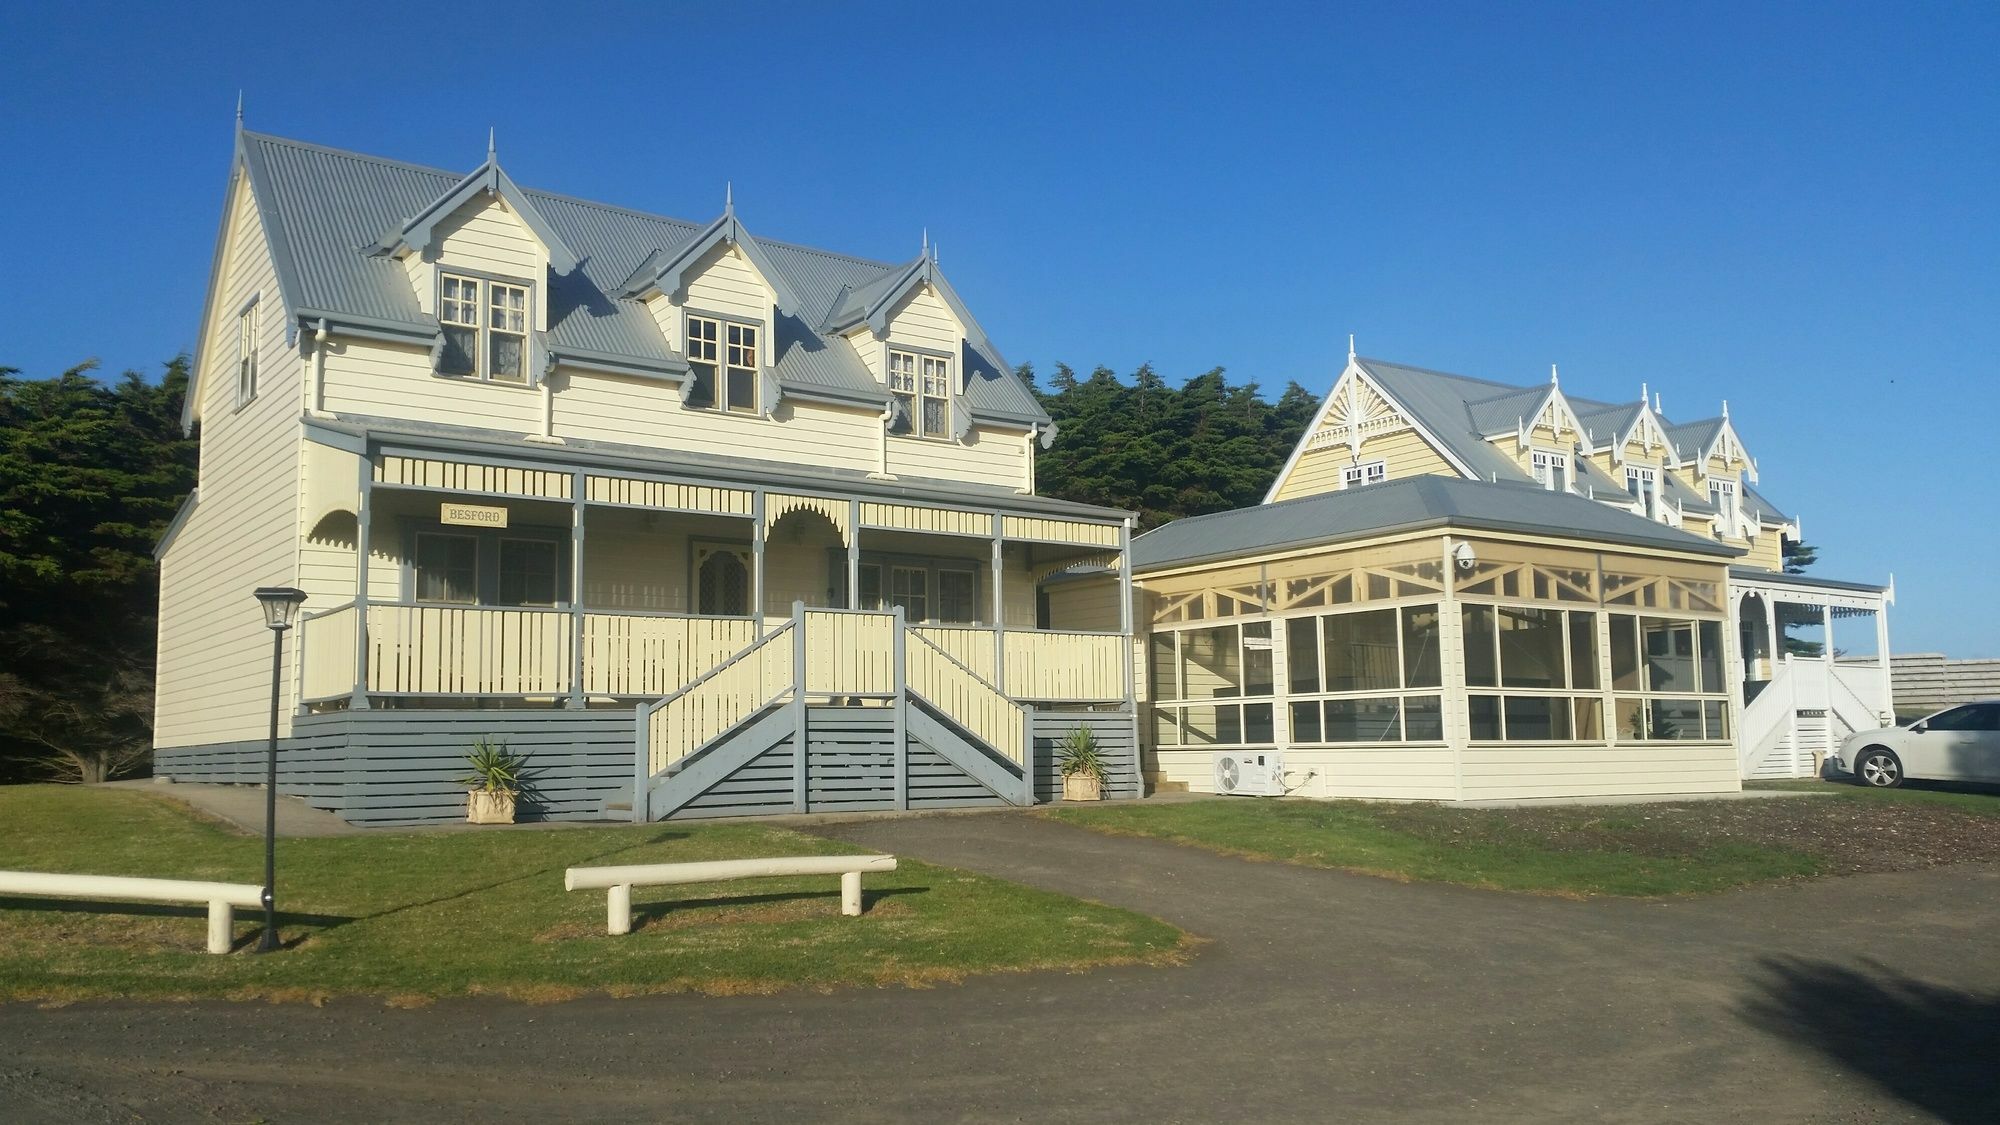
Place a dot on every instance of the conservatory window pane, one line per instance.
(1305, 722)
(1166, 727)
(1361, 651)
(1582, 649)
(1423, 718)
(1211, 663)
(1421, 666)
(1531, 647)
(1481, 667)
(1669, 654)
(1257, 658)
(1676, 719)
(1302, 654)
(1258, 728)
(1624, 654)
(1484, 712)
(1711, 657)
(1371, 719)
(1589, 715)
(1715, 719)
(1630, 715)
(1537, 718)
(1163, 663)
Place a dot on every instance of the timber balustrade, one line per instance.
(716, 701)
(967, 700)
(530, 652)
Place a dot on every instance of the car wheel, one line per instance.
(1879, 769)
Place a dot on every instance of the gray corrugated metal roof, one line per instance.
(1504, 413)
(1689, 439)
(1690, 500)
(1752, 574)
(329, 207)
(1410, 504)
(1763, 510)
(740, 472)
(1437, 401)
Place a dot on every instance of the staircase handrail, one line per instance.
(1025, 753)
(1754, 730)
(653, 708)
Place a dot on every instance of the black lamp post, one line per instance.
(281, 605)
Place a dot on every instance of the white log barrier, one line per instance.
(617, 882)
(220, 898)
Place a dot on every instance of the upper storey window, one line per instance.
(1366, 473)
(1644, 484)
(485, 328)
(246, 355)
(1722, 494)
(922, 383)
(1552, 470)
(722, 358)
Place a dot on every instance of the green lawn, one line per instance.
(1688, 847)
(1980, 801)
(412, 916)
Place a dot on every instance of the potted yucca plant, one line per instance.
(1082, 766)
(493, 784)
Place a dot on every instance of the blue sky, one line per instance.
(1788, 206)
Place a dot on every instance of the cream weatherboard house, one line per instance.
(701, 523)
(1463, 590)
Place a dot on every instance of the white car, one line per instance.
(1957, 744)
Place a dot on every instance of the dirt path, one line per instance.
(1320, 996)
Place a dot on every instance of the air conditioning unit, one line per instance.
(1250, 773)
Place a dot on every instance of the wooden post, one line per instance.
(899, 658)
(358, 701)
(642, 765)
(1129, 666)
(618, 909)
(999, 613)
(221, 926)
(850, 894)
(854, 554)
(757, 561)
(1771, 631)
(1882, 658)
(799, 717)
(576, 694)
(1826, 634)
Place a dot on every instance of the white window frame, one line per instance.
(1364, 473)
(725, 346)
(1543, 461)
(1648, 494)
(920, 379)
(481, 301)
(248, 341)
(1723, 494)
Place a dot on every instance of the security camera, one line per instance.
(1463, 555)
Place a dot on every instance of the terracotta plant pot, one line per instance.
(1082, 787)
(489, 806)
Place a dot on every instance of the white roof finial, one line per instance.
(925, 252)
(1657, 408)
(1350, 347)
(239, 109)
(1553, 380)
(1645, 394)
(1725, 408)
(729, 195)
(491, 147)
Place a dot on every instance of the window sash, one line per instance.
(246, 363)
(1366, 473)
(1551, 469)
(923, 384)
(446, 568)
(485, 325)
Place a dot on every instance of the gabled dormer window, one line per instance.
(1366, 473)
(1644, 484)
(1551, 470)
(246, 355)
(485, 325)
(922, 383)
(723, 362)
(1722, 494)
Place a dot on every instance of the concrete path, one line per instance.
(242, 808)
(1320, 997)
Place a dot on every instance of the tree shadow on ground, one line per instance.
(1931, 1047)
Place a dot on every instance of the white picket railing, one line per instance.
(720, 698)
(966, 699)
(1065, 666)
(454, 650)
(629, 655)
(849, 652)
(970, 645)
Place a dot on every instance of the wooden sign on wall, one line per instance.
(471, 515)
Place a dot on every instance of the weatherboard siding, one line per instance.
(725, 282)
(642, 413)
(484, 236)
(923, 321)
(1320, 470)
(987, 456)
(1522, 772)
(384, 380)
(1767, 551)
(214, 651)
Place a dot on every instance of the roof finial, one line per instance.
(1725, 408)
(1645, 394)
(926, 251)
(1350, 347)
(1657, 408)
(728, 196)
(239, 109)
(1553, 380)
(492, 147)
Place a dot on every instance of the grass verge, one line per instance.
(1691, 847)
(416, 916)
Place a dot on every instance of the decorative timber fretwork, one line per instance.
(1555, 418)
(1108, 560)
(1060, 531)
(911, 517)
(461, 476)
(1356, 411)
(1662, 591)
(778, 505)
(663, 494)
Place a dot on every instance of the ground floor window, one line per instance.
(934, 591)
(524, 568)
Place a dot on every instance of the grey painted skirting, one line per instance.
(1117, 741)
(385, 767)
(391, 767)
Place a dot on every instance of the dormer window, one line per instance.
(1722, 494)
(1366, 473)
(485, 327)
(1644, 485)
(1551, 470)
(922, 383)
(722, 361)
